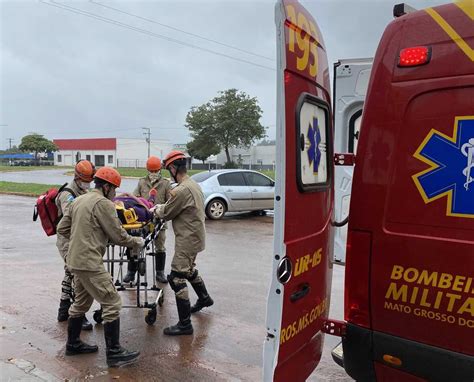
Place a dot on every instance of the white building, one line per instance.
(115, 152)
(253, 157)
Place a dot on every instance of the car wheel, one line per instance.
(216, 209)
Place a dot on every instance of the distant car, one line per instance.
(235, 191)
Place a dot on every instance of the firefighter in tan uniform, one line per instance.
(186, 210)
(83, 174)
(90, 223)
(156, 189)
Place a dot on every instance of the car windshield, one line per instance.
(202, 176)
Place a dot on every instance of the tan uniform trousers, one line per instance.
(160, 241)
(95, 285)
(67, 292)
(184, 265)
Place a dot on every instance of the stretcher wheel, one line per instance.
(97, 316)
(150, 318)
(161, 299)
(142, 268)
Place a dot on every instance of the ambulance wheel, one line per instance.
(97, 316)
(142, 268)
(150, 318)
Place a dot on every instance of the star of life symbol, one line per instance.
(451, 171)
(314, 152)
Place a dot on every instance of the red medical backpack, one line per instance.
(47, 211)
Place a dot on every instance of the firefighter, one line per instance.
(155, 188)
(90, 224)
(83, 174)
(186, 210)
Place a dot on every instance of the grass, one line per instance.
(28, 189)
(4, 168)
(34, 189)
(141, 172)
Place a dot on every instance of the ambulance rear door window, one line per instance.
(314, 144)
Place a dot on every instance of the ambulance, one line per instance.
(409, 278)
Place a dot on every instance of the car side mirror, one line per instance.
(273, 183)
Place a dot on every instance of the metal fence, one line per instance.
(138, 163)
(26, 162)
(131, 163)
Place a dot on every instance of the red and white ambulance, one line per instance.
(409, 282)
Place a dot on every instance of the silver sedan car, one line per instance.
(235, 191)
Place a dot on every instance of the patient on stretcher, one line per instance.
(134, 214)
(132, 209)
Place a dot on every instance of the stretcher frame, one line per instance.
(116, 255)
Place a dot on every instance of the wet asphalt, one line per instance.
(228, 337)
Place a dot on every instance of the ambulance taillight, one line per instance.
(357, 293)
(414, 56)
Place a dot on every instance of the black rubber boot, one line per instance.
(184, 326)
(74, 344)
(86, 325)
(63, 311)
(116, 354)
(131, 269)
(204, 300)
(160, 259)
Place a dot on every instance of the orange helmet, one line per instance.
(174, 156)
(84, 170)
(109, 175)
(153, 164)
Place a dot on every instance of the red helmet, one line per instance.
(109, 175)
(172, 157)
(153, 164)
(84, 170)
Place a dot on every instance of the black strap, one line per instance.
(61, 189)
(70, 191)
(193, 276)
(179, 275)
(35, 213)
(64, 188)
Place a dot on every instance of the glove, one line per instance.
(140, 242)
(158, 210)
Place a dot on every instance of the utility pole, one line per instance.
(8, 139)
(147, 138)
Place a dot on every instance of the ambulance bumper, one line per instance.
(362, 348)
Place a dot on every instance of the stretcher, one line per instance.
(117, 257)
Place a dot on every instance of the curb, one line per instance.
(28, 194)
(71, 173)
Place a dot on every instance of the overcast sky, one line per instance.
(67, 75)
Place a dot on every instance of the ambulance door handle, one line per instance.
(301, 293)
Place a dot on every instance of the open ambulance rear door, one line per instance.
(351, 79)
(298, 301)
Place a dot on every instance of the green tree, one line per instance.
(202, 149)
(232, 119)
(36, 143)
